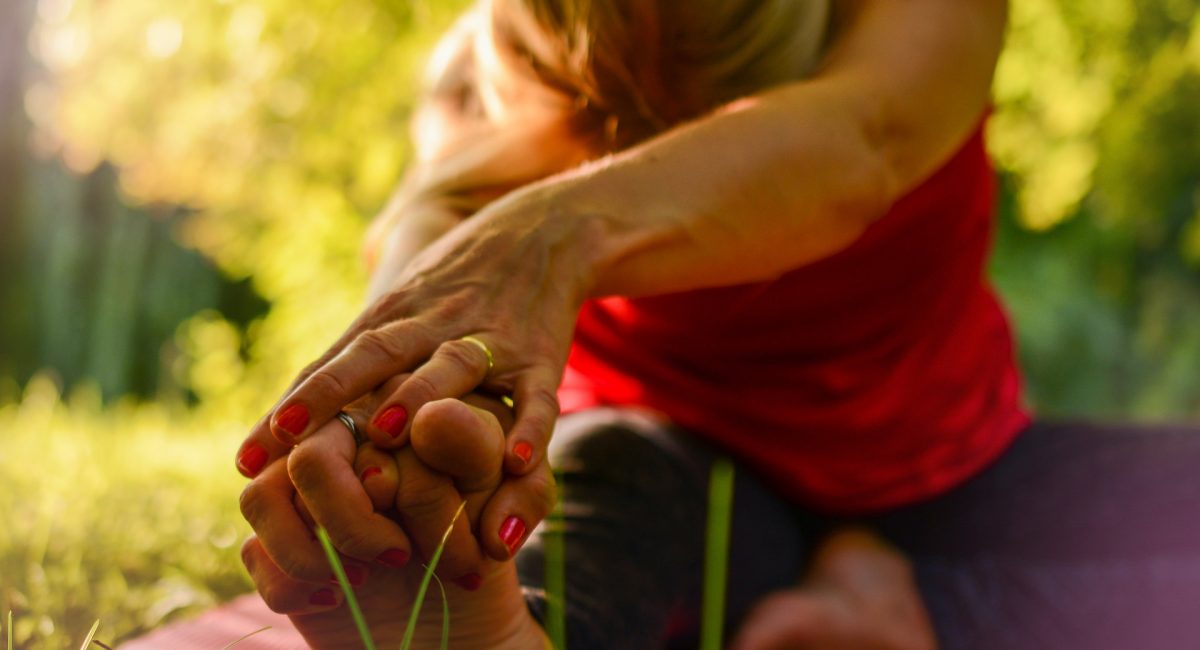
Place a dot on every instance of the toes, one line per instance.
(460, 440)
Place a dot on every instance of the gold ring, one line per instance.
(482, 346)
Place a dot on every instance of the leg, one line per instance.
(634, 503)
(1080, 536)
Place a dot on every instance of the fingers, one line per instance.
(258, 450)
(261, 448)
(266, 503)
(282, 593)
(367, 361)
(377, 471)
(461, 440)
(455, 369)
(537, 407)
(516, 507)
(321, 468)
(427, 502)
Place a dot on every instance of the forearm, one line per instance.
(741, 196)
(793, 175)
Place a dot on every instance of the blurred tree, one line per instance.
(1099, 259)
(92, 288)
(14, 16)
(282, 126)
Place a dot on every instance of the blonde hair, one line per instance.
(633, 68)
(544, 85)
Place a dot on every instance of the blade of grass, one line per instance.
(716, 554)
(87, 640)
(420, 599)
(445, 613)
(355, 612)
(556, 581)
(9, 626)
(238, 640)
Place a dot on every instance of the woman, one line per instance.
(741, 226)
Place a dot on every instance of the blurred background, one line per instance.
(183, 190)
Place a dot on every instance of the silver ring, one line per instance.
(349, 422)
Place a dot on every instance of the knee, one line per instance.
(620, 448)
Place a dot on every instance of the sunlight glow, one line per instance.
(163, 37)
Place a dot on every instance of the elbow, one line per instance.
(869, 185)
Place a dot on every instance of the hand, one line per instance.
(512, 276)
(462, 439)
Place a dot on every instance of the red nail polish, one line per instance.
(523, 450)
(511, 532)
(470, 582)
(323, 598)
(251, 462)
(392, 420)
(393, 557)
(368, 473)
(293, 419)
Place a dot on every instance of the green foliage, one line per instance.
(127, 515)
(284, 125)
(1099, 254)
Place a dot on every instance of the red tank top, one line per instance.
(878, 376)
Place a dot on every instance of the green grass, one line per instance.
(125, 514)
(716, 554)
(339, 572)
(419, 600)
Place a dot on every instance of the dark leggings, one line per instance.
(1079, 536)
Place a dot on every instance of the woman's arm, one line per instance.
(772, 182)
(763, 186)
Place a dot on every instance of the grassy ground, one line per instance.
(127, 515)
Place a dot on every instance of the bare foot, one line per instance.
(859, 594)
(487, 608)
(494, 617)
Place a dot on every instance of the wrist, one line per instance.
(576, 234)
(608, 217)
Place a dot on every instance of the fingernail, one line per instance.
(511, 532)
(523, 450)
(251, 462)
(323, 598)
(368, 473)
(470, 582)
(393, 557)
(392, 420)
(293, 419)
(355, 575)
